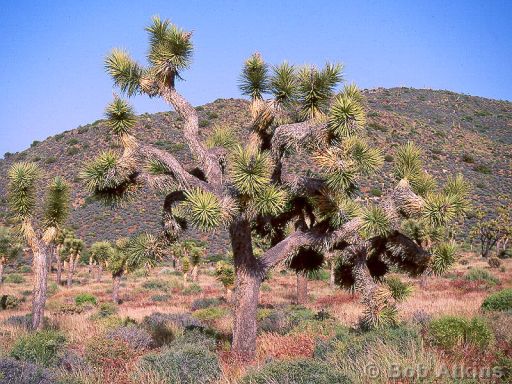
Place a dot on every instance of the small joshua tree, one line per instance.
(22, 200)
(60, 238)
(100, 252)
(225, 273)
(253, 191)
(130, 254)
(189, 252)
(72, 249)
(9, 248)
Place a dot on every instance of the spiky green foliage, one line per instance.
(202, 208)
(283, 83)
(57, 203)
(459, 188)
(254, 80)
(338, 169)
(367, 160)
(399, 290)
(346, 116)
(157, 167)
(22, 188)
(225, 273)
(440, 208)
(170, 48)
(72, 246)
(120, 117)
(101, 251)
(374, 222)
(336, 208)
(142, 251)
(222, 136)
(125, 72)
(408, 163)
(250, 170)
(443, 257)
(270, 200)
(106, 179)
(315, 89)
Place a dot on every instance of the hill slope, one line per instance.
(458, 133)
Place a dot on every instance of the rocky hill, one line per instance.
(458, 133)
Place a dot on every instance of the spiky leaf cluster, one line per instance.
(225, 273)
(22, 188)
(269, 200)
(399, 290)
(143, 250)
(125, 72)
(201, 208)
(72, 246)
(443, 257)
(254, 78)
(335, 207)
(9, 244)
(283, 83)
(250, 170)
(57, 203)
(374, 222)
(222, 136)
(120, 117)
(101, 251)
(346, 116)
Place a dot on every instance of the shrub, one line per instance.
(160, 298)
(205, 302)
(85, 298)
(71, 151)
(192, 289)
(14, 278)
(399, 290)
(137, 338)
(375, 192)
(18, 372)
(9, 302)
(388, 158)
(505, 254)
(494, 262)
(467, 158)
(187, 364)
(156, 285)
(52, 289)
(24, 269)
(106, 310)
(164, 326)
(210, 314)
(101, 350)
(477, 274)
(498, 301)
(481, 168)
(303, 371)
(50, 160)
(319, 274)
(197, 336)
(21, 321)
(42, 347)
(73, 141)
(449, 332)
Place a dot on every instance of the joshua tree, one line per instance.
(251, 190)
(100, 252)
(225, 273)
(22, 200)
(128, 255)
(9, 248)
(189, 252)
(62, 235)
(72, 249)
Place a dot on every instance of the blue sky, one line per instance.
(52, 77)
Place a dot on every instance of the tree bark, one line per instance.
(195, 273)
(302, 289)
(71, 267)
(59, 269)
(249, 276)
(1, 272)
(40, 264)
(332, 276)
(116, 286)
(99, 272)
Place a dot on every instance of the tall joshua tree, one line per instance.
(129, 254)
(22, 200)
(9, 248)
(71, 250)
(100, 252)
(251, 190)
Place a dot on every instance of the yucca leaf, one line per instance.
(443, 257)
(222, 136)
(346, 116)
(125, 72)
(283, 83)
(408, 163)
(120, 117)
(201, 208)
(254, 80)
(399, 290)
(250, 170)
(57, 203)
(22, 188)
(440, 209)
(375, 222)
(270, 200)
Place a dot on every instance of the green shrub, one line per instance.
(42, 347)
(467, 158)
(319, 274)
(160, 298)
(478, 274)
(304, 371)
(156, 285)
(73, 141)
(100, 350)
(399, 290)
(210, 314)
(14, 278)
(449, 332)
(24, 269)
(375, 192)
(388, 158)
(71, 151)
(505, 254)
(481, 168)
(85, 298)
(192, 289)
(9, 302)
(185, 364)
(50, 160)
(499, 301)
(52, 288)
(205, 302)
(106, 310)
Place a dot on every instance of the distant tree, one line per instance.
(22, 200)
(61, 237)
(9, 248)
(190, 253)
(100, 252)
(72, 249)
(492, 230)
(225, 273)
(253, 190)
(130, 254)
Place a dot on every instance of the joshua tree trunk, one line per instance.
(302, 288)
(99, 272)
(116, 286)
(90, 266)
(59, 270)
(332, 277)
(195, 273)
(1, 271)
(71, 267)
(185, 277)
(40, 264)
(248, 281)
